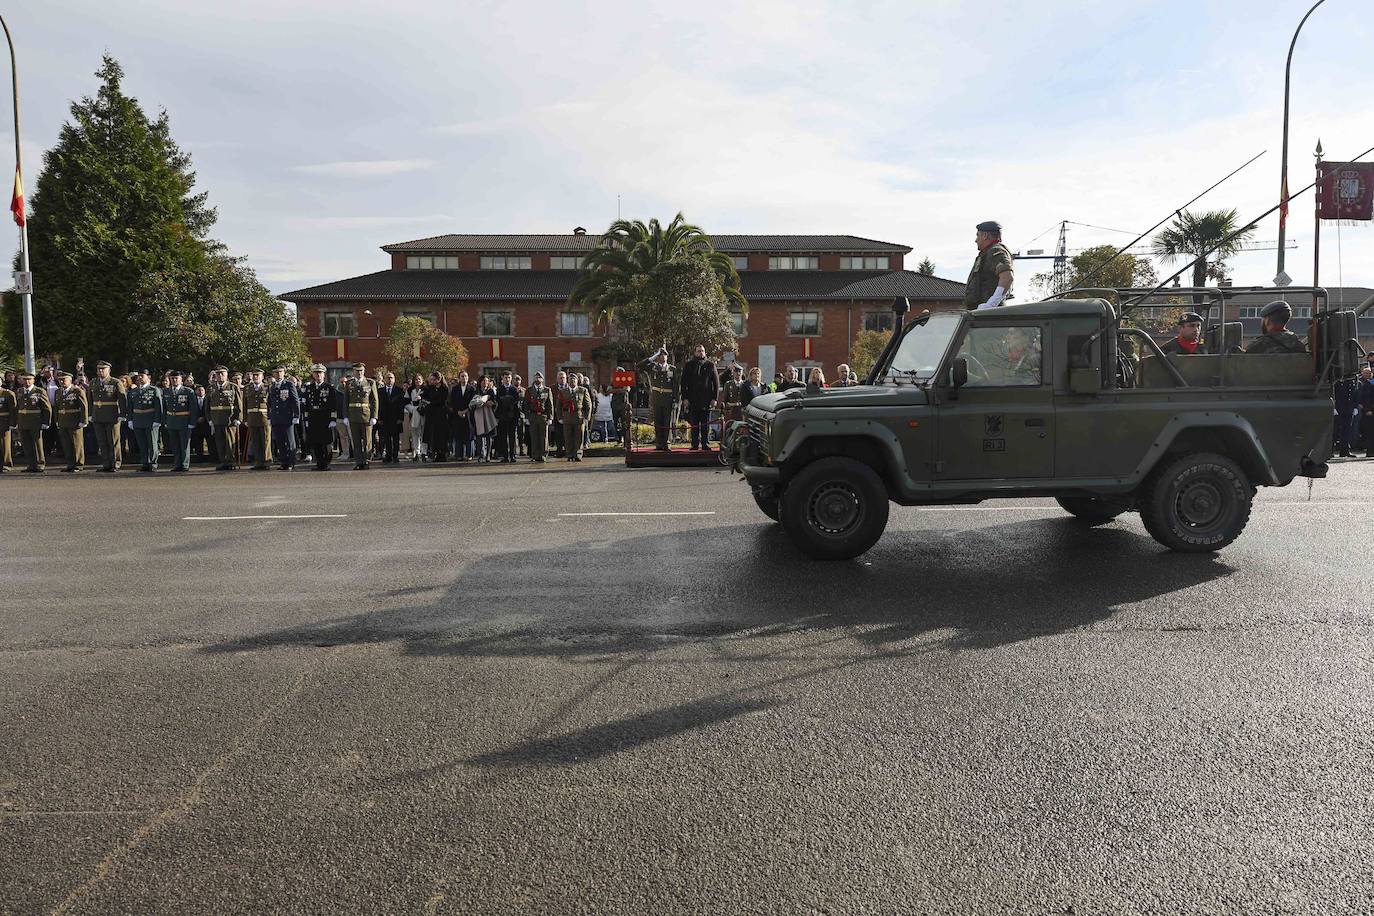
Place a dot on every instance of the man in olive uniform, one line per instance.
(224, 404)
(180, 407)
(1275, 336)
(662, 385)
(319, 402)
(989, 283)
(730, 395)
(360, 394)
(34, 415)
(145, 419)
(575, 409)
(73, 412)
(255, 421)
(539, 410)
(1189, 340)
(109, 406)
(9, 413)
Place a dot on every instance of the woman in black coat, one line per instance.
(435, 396)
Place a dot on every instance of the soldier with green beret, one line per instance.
(109, 407)
(1275, 336)
(145, 419)
(34, 414)
(989, 283)
(360, 394)
(224, 404)
(181, 411)
(73, 412)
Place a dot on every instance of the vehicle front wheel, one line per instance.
(1198, 503)
(834, 509)
(1093, 510)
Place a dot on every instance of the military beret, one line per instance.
(1190, 316)
(1277, 308)
(102, 364)
(318, 367)
(990, 226)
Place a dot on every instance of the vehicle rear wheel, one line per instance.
(834, 509)
(768, 504)
(1094, 510)
(1198, 503)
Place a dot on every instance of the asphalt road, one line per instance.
(461, 696)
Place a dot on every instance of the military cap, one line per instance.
(63, 373)
(1277, 309)
(220, 369)
(318, 367)
(175, 373)
(255, 372)
(360, 365)
(990, 226)
(144, 372)
(102, 364)
(27, 374)
(1189, 317)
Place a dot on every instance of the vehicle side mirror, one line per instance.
(958, 373)
(1085, 381)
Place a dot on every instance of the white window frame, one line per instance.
(815, 333)
(509, 314)
(794, 262)
(877, 313)
(564, 262)
(336, 314)
(570, 313)
(431, 262)
(504, 262)
(741, 263)
(864, 262)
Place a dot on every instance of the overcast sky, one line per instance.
(325, 129)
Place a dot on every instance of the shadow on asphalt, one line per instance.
(733, 588)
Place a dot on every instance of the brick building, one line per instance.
(506, 298)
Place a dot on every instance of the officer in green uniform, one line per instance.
(539, 409)
(255, 398)
(989, 283)
(662, 383)
(34, 415)
(9, 413)
(224, 404)
(145, 419)
(109, 406)
(360, 394)
(731, 394)
(73, 412)
(1276, 338)
(179, 406)
(576, 409)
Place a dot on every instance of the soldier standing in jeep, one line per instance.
(989, 283)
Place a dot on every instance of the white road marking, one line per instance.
(605, 514)
(235, 518)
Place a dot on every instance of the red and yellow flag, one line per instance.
(17, 201)
(341, 349)
(496, 348)
(806, 348)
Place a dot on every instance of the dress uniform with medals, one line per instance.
(255, 399)
(34, 414)
(284, 415)
(145, 419)
(182, 411)
(109, 407)
(224, 404)
(662, 385)
(319, 402)
(73, 412)
(1276, 337)
(539, 410)
(575, 408)
(994, 259)
(360, 394)
(731, 396)
(9, 414)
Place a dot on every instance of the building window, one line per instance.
(431, 262)
(496, 324)
(1253, 311)
(418, 313)
(337, 324)
(741, 263)
(493, 370)
(574, 324)
(505, 262)
(864, 263)
(796, 262)
(804, 324)
(559, 262)
(737, 326)
(878, 321)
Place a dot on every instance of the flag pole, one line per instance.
(26, 298)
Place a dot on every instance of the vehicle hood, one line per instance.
(858, 396)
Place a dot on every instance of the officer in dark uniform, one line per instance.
(1346, 393)
(1276, 338)
(284, 415)
(181, 409)
(1188, 340)
(989, 283)
(320, 403)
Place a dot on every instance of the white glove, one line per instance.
(372, 422)
(82, 424)
(155, 425)
(332, 424)
(296, 421)
(236, 423)
(994, 300)
(130, 423)
(43, 426)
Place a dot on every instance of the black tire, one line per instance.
(1091, 510)
(834, 509)
(768, 504)
(1198, 503)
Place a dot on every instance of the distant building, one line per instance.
(506, 298)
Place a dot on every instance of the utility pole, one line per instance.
(1281, 279)
(23, 280)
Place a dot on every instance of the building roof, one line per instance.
(573, 243)
(547, 285)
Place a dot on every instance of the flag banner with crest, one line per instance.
(1345, 192)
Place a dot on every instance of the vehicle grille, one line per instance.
(756, 432)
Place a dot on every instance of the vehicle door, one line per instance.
(999, 424)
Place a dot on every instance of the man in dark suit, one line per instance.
(284, 416)
(391, 414)
(460, 395)
(700, 389)
(507, 398)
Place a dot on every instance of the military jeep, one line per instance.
(1045, 399)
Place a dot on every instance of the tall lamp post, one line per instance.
(1283, 165)
(26, 290)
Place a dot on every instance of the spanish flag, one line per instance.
(17, 201)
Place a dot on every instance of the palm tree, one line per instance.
(1191, 235)
(627, 254)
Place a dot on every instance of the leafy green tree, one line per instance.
(1126, 272)
(926, 268)
(1191, 234)
(124, 266)
(661, 284)
(868, 346)
(416, 345)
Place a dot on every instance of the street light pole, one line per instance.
(1283, 165)
(25, 298)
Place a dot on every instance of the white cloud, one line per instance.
(365, 167)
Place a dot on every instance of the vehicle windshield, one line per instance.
(921, 350)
